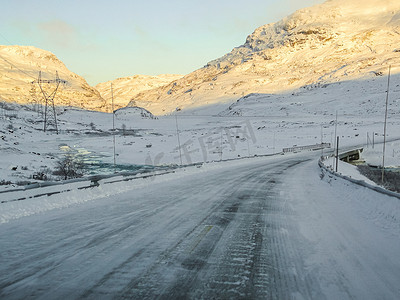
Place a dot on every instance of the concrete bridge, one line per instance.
(352, 157)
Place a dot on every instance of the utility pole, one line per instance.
(179, 141)
(322, 141)
(337, 154)
(384, 130)
(373, 140)
(220, 158)
(334, 148)
(50, 116)
(113, 121)
(273, 145)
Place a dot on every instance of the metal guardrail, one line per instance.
(40, 191)
(308, 147)
(356, 181)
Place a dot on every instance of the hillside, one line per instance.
(20, 66)
(335, 41)
(127, 87)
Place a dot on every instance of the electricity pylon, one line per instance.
(50, 116)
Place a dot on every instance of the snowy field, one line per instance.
(255, 125)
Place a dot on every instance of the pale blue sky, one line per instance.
(103, 40)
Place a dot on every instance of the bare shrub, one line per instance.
(391, 179)
(69, 167)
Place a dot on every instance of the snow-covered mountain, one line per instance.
(334, 41)
(124, 89)
(20, 66)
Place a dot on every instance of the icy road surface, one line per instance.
(258, 229)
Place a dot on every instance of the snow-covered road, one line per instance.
(266, 228)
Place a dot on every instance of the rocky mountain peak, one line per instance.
(334, 41)
(327, 22)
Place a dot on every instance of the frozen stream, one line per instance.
(266, 228)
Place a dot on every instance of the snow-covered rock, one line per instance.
(132, 112)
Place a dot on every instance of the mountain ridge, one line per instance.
(329, 42)
(19, 69)
(124, 88)
(334, 41)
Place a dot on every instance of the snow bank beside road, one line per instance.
(72, 195)
(347, 169)
(373, 156)
(352, 232)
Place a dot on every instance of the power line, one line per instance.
(384, 129)
(113, 112)
(33, 77)
(17, 67)
(5, 38)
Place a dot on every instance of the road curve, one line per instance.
(228, 233)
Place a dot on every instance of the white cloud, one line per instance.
(59, 33)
